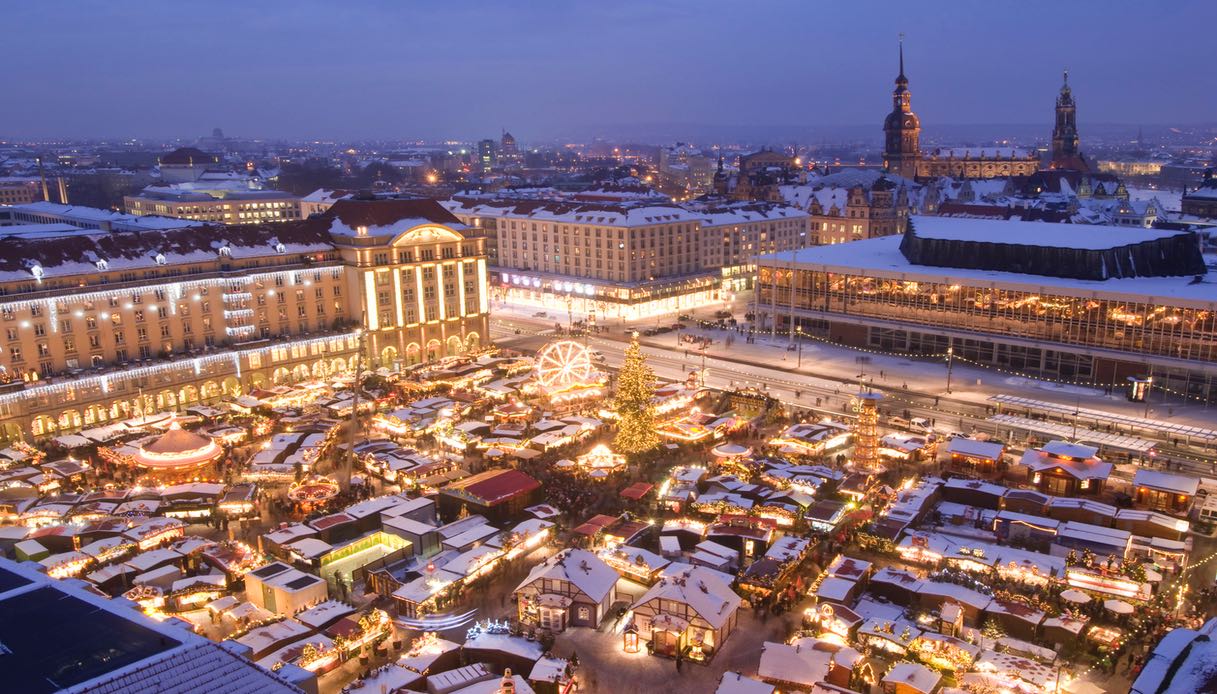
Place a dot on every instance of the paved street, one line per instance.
(609, 669)
(824, 377)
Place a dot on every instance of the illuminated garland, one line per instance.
(932, 356)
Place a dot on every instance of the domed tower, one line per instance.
(902, 129)
(1065, 151)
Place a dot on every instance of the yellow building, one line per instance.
(105, 326)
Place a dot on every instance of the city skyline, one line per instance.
(389, 73)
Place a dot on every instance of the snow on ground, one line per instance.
(885, 372)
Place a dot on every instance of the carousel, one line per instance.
(734, 459)
(313, 490)
(175, 454)
(600, 462)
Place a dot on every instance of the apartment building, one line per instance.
(601, 260)
(100, 326)
(15, 190)
(734, 233)
(626, 259)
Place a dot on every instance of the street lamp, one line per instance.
(630, 638)
(800, 339)
(950, 363)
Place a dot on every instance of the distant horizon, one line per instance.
(547, 69)
(863, 132)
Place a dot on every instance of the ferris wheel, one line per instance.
(565, 364)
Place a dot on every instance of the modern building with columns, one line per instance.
(102, 326)
(420, 275)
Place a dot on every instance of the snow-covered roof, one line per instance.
(881, 257)
(746, 212)
(804, 662)
(580, 567)
(700, 589)
(1185, 660)
(1075, 459)
(623, 214)
(973, 448)
(1166, 481)
(1042, 234)
(736, 683)
(914, 676)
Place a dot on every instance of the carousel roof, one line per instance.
(176, 441)
(177, 448)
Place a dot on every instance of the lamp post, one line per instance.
(630, 638)
(950, 363)
(800, 339)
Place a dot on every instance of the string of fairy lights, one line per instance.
(894, 393)
(933, 356)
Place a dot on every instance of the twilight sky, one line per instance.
(551, 68)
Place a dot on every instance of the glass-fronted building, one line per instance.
(1071, 325)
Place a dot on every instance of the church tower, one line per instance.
(1065, 150)
(902, 129)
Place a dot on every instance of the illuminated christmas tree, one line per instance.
(635, 413)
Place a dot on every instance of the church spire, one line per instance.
(900, 95)
(902, 77)
(902, 130)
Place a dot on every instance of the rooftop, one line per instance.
(585, 570)
(493, 486)
(881, 257)
(113, 647)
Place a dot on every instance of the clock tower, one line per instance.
(1066, 153)
(902, 129)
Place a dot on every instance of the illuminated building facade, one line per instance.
(626, 259)
(19, 191)
(220, 206)
(1010, 308)
(101, 326)
(733, 234)
(852, 206)
(419, 273)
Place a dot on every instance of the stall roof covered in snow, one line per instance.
(972, 448)
(701, 590)
(1185, 660)
(582, 568)
(1165, 481)
(736, 683)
